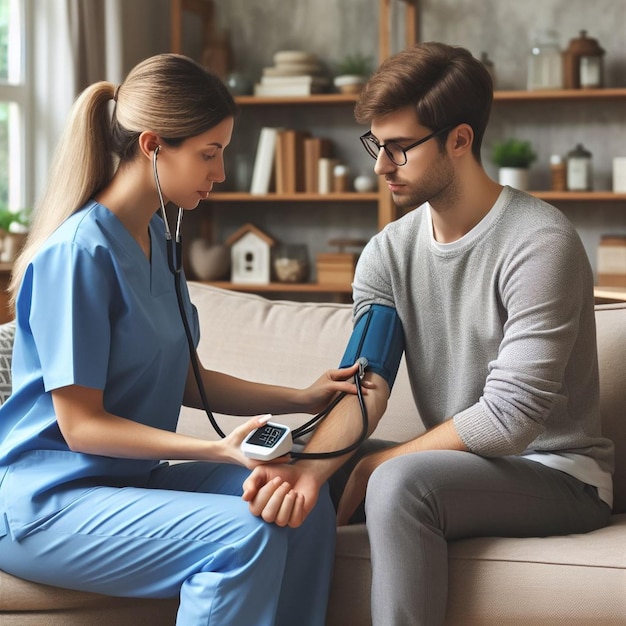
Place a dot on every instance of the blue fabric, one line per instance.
(377, 336)
(189, 534)
(93, 311)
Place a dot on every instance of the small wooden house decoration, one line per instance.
(250, 253)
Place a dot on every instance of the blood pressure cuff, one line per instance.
(378, 336)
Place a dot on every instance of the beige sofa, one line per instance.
(577, 579)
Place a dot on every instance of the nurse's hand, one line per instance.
(231, 444)
(319, 395)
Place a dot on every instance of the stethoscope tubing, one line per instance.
(174, 247)
(174, 260)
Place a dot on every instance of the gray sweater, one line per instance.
(499, 327)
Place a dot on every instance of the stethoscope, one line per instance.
(174, 247)
(174, 259)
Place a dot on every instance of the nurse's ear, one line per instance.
(148, 143)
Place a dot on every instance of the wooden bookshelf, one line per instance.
(284, 287)
(580, 196)
(334, 292)
(549, 196)
(316, 106)
(563, 95)
(236, 196)
(554, 95)
(315, 99)
(609, 295)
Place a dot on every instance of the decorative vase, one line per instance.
(209, 261)
(363, 183)
(516, 177)
(349, 83)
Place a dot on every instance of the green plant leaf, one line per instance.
(355, 64)
(7, 217)
(513, 153)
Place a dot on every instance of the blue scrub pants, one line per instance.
(187, 533)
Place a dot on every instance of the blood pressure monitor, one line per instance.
(268, 442)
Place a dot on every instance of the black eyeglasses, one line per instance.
(395, 152)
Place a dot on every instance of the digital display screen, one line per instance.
(266, 437)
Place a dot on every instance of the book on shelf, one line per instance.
(290, 161)
(315, 148)
(325, 174)
(264, 161)
(295, 63)
(336, 268)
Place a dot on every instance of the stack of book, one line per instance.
(612, 261)
(288, 161)
(336, 268)
(294, 73)
(299, 159)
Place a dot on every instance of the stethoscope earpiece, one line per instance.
(174, 257)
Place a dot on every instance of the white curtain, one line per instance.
(74, 43)
(96, 44)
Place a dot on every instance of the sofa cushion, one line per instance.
(489, 576)
(23, 603)
(611, 331)
(7, 335)
(282, 342)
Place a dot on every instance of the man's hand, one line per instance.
(282, 494)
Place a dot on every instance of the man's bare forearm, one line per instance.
(343, 427)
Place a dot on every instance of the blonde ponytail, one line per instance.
(82, 165)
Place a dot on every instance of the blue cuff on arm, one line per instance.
(378, 336)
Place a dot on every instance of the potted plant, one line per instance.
(14, 226)
(513, 158)
(352, 73)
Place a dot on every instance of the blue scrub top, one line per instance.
(93, 311)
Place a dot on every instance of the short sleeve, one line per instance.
(69, 317)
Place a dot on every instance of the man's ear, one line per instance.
(148, 143)
(461, 139)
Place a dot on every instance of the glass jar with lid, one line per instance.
(579, 169)
(583, 63)
(545, 62)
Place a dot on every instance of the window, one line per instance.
(13, 103)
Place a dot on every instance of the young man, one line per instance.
(495, 296)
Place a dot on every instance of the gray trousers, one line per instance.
(416, 503)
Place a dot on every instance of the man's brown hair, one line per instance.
(446, 85)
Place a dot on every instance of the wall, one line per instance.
(502, 28)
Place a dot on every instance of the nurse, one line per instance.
(101, 368)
